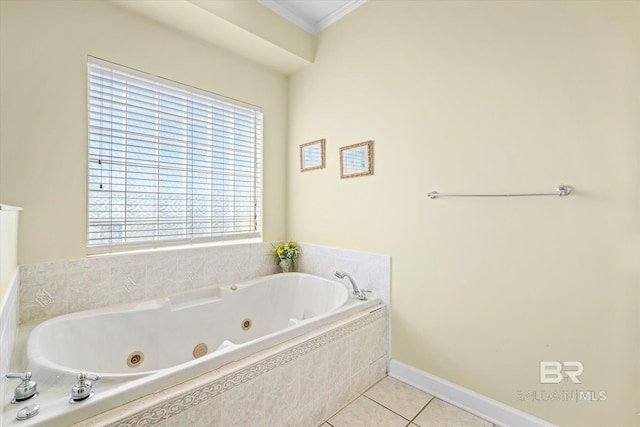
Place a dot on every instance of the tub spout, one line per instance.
(360, 294)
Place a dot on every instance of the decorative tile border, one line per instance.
(161, 412)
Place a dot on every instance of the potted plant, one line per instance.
(286, 255)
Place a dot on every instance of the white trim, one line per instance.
(470, 401)
(142, 250)
(9, 208)
(9, 318)
(310, 26)
(338, 14)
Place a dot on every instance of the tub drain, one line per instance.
(246, 324)
(135, 359)
(200, 350)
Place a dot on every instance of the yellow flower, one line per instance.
(285, 250)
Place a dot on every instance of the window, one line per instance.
(168, 164)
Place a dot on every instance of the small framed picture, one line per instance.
(356, 160)
(312, 155)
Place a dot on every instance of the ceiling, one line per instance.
(312, 16)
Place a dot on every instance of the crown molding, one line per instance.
(338, 14)
(307, 25)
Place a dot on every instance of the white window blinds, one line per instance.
(168, 164)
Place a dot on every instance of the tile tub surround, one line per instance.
(53, 289)
(297, 383)
(368, 270)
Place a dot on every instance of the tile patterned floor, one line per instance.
(392, 403)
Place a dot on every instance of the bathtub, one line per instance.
(143, 348)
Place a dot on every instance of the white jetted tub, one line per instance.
(142, 348)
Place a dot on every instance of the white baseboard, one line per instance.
(477, 404)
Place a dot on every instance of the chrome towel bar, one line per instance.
(562, 190)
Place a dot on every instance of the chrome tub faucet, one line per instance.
(26, 389)
(359, 293)
(83, 388)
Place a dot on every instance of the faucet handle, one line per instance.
(82, 376)
(23, 376)
(26, 389)
(83, 389)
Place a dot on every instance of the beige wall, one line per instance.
(43, 126)
(488, 97)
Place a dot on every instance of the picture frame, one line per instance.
(312, 155)
(356, 160)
